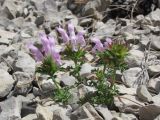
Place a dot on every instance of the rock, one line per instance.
(68, 80)
(10, 8)
(67, 63)
(124, 90)
(131, 77)
(156, 99)
(103, 111)
(157, 118)
(86, 111)
(130, 38)
(149, 112)
(134, 58)
(86, 22)
(92, 6)
(153, 70)
(105, 30)
(155, 43)
(30, 117)
(6, 83)
(123, 116)
(58, 115)
(25, 63)
(89, 57)
(86, 69)
(154, 84)
(39, 20)
(143, 94)
(154, 17)
(4, 41)
(43, 113)
(128, 104)
(7, 34)
(47, 85)
(11, 109)
(24, 83)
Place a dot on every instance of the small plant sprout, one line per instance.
(50, 57)
(74, 50)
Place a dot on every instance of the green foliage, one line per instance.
(114, 57)
(48, 66)
(62, 95)
(104, 95)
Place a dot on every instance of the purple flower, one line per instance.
(48, 49)
(76, 40)
(98, 45)
(35, 51)
(80, 39)
(108, 42)
(63, 35)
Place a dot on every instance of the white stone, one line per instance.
(134, 58)
(6, 83)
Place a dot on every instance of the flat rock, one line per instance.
(25, 63)
(134, 58)
(11, 109)
(143, 94)
(30, 117)
(86, 111)
(154, 84)
(6, 83)
(149, 112)
(128, 103)
(131, 76)
(153, 69)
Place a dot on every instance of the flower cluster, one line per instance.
(48, 49)
(73, 39)
(99, 46)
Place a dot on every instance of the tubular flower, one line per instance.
(35, 51)
(64, 35)
(98, 45)
(108, 42)
(48, 49)
(76, 40)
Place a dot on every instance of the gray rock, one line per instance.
(134, 58)
(86, 69)
(154, 84)
(157, 118)
(6, 83)
(124, 90)
(25, 63)
(92, 6)
(7, 34)
(30, 117)
(58, 115)
(154, 17)
(149, 112)
(128, 104)
(103, 110)
(86, 111)
(68, 80)
(131, 77)
(143, 94)
(4, 41)
(24, 83)
(105, 30)
(39, 20)
(11, 109)
(43, 113)
(153, 70)
(123, 116)
(47, 85)
(155, 42)
(156, 99)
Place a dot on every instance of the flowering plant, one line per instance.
(74, 50)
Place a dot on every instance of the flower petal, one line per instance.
(45, 43)
(98, 45)
(36, 52)
(80, 39)
(63, 34)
